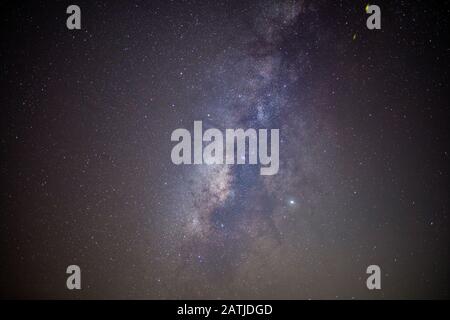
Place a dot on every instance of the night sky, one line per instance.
(87, 177)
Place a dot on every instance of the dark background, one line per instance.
(86, 118)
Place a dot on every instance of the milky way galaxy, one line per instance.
(86, 142)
